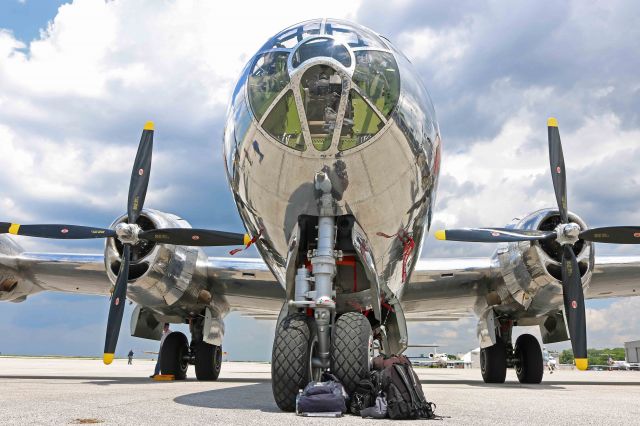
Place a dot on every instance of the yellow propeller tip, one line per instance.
(440, 235)
(14, 229)
(149, 125)
(552, 122)
(247, 239)
(107, 359)
(582, 363)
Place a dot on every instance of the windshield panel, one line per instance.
(268, 78)
(378, 78)
(283, 123)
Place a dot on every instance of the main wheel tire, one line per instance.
(493, 363)
(208, 361)
(173, 355)
(351, 349)
(290, 360)
(530, 367)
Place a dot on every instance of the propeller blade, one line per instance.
(61, 232)
(558, 175)
(140, 174)
(116, 308)
(493, 235)
(574, 307)
(613, 234)
(194, 237)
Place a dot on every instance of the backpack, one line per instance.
(365, 394)
(400, 383)
(327, 396)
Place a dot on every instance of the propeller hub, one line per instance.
(128, 233)
(568, 233)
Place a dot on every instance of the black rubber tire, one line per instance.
(530, 367)
(493, 363)
(208, 361)
(172, 355)
(350, 349)
(290, 360)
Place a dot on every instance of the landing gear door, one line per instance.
(363, 251)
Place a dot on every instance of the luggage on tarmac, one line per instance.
(326, 398)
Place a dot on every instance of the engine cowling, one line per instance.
(160, 275)
(532, 271)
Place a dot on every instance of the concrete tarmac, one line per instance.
(81, 391)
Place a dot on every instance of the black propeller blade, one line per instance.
(60, 232)
(493, 235)
(195, 237)
(116, 307)
(573, 297)
(140, 174)
(613, 234)
(558, 176)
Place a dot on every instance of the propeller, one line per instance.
(130, 234)
(566, 234)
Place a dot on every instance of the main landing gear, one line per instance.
(176, 354)
(526, 358)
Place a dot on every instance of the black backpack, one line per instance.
(405, 399)
(365, 394)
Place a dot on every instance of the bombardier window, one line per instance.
(321, 89)
(268, 78)
(322, 47)
(378, 78)
(283, 123)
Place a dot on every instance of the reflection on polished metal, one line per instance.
(365, 119)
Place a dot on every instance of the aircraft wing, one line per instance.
(448, 289)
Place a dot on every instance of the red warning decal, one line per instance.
(141, 172)
(495, 234)
(637, 235)
(117, 302)
(64, 230)
(558, 170)
(195, 238)
(574, 304)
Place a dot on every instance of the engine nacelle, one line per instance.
(532, 271)
(160, 275)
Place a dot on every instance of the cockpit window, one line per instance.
(268, 78)
(283, 123)
(324, 47)
(294, 35)
(377, 76)
(321, 89)
(360, 123)
(354, 36)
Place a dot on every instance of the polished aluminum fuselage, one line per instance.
(388, 183)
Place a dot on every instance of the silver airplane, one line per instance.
(332, 152)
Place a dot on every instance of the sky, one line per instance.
(78, 79)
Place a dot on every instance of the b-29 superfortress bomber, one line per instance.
(332, 152)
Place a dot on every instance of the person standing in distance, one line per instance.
(130, 356)
(165, 332)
